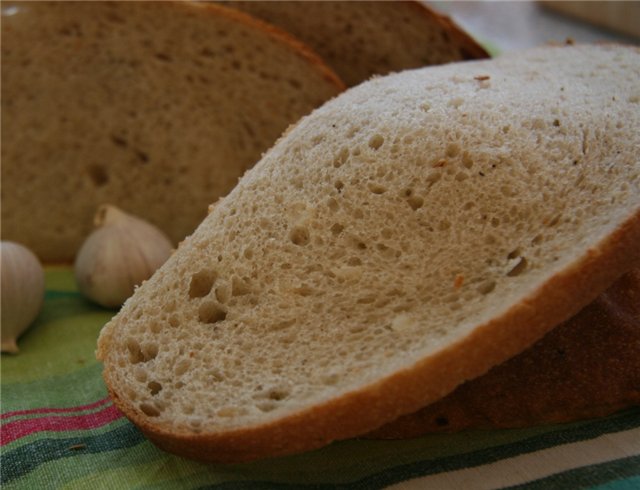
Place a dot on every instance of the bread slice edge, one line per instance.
(562, 295)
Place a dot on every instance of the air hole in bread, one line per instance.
(376, 141)
(278, 394)
(98, 175)
(515, 253)
(149, 410)
(240, 287)
(341, 158)
(222, 293)
(211, 312)
(377, 188)
(444, 225)
(201, 283)
(519, 268)
(149, 351)
(182, 367)
(486, 287)
(460, 176)
(336, 229)
(452, 150)
(554, 221)
(154, 387)
(354, 261)
(174, 321)
(299, 235)
(415, 202)
(140, 374)
(339, 185)
(333, 205)
(266, 406)
(135, 353)
(303, 290)
(467, 161)
(433, 177)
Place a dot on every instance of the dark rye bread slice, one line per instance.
(361, 39)
(157, 107)
(587, 367)
(405, 237)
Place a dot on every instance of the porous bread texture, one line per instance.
(403, 238)
(586, 367)
(361, 39)
(157, 107)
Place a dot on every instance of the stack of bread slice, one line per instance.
(366, 38)
(406, 237)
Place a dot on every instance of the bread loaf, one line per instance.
(361, 39)
(587, 367)
(156, 107)
(403, 238)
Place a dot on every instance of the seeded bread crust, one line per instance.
(587, 367)
(157, 107)
(362, 39)
(404, 238)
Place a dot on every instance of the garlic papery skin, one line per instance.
(22, 286)
(121, 253)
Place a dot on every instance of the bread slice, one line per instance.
(587, 367)
(157, 107)
(361, 39)
(405, 237)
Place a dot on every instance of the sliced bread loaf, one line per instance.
(157, 107)
(405, 237)
(587, 367)
(361, 39)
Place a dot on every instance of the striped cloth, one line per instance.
(60, 430)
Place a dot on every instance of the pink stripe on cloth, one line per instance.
(55, 410)
(21, 428)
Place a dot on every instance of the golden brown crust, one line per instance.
(587, 367)
(468, 46)
(429, 380)
(284, 37)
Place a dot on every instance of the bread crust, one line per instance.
(587, 367)
(469, 46)
(561, 296)
(302, 49)
(334, 36)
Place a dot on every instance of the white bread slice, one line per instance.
(405, 237)
(361, 39)
(158, 107)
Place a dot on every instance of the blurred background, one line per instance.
(513, 25)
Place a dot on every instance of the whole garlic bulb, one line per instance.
(22, 292)
(121, 253)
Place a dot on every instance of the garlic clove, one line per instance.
(22, 292)
(120, 254)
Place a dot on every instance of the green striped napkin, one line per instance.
(60, 430)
